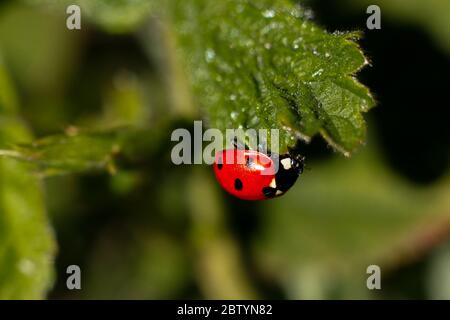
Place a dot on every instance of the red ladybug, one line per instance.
(252, 175)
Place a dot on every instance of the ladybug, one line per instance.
(252, 175)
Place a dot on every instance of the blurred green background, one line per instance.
(154, 230)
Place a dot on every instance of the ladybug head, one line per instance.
(297, 160)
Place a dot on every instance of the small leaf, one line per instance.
(80, 151)
(74, 152)
(265, 65)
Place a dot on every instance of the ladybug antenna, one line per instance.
(302, 160)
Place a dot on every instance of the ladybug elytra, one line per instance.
(252, 175)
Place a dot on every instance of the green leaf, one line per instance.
(26, 240)
(265, 65)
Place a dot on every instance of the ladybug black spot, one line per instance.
(238, 184)
(269, 192)
(219, 164)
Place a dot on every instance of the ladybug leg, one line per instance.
(239, 144)
(262, 147)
